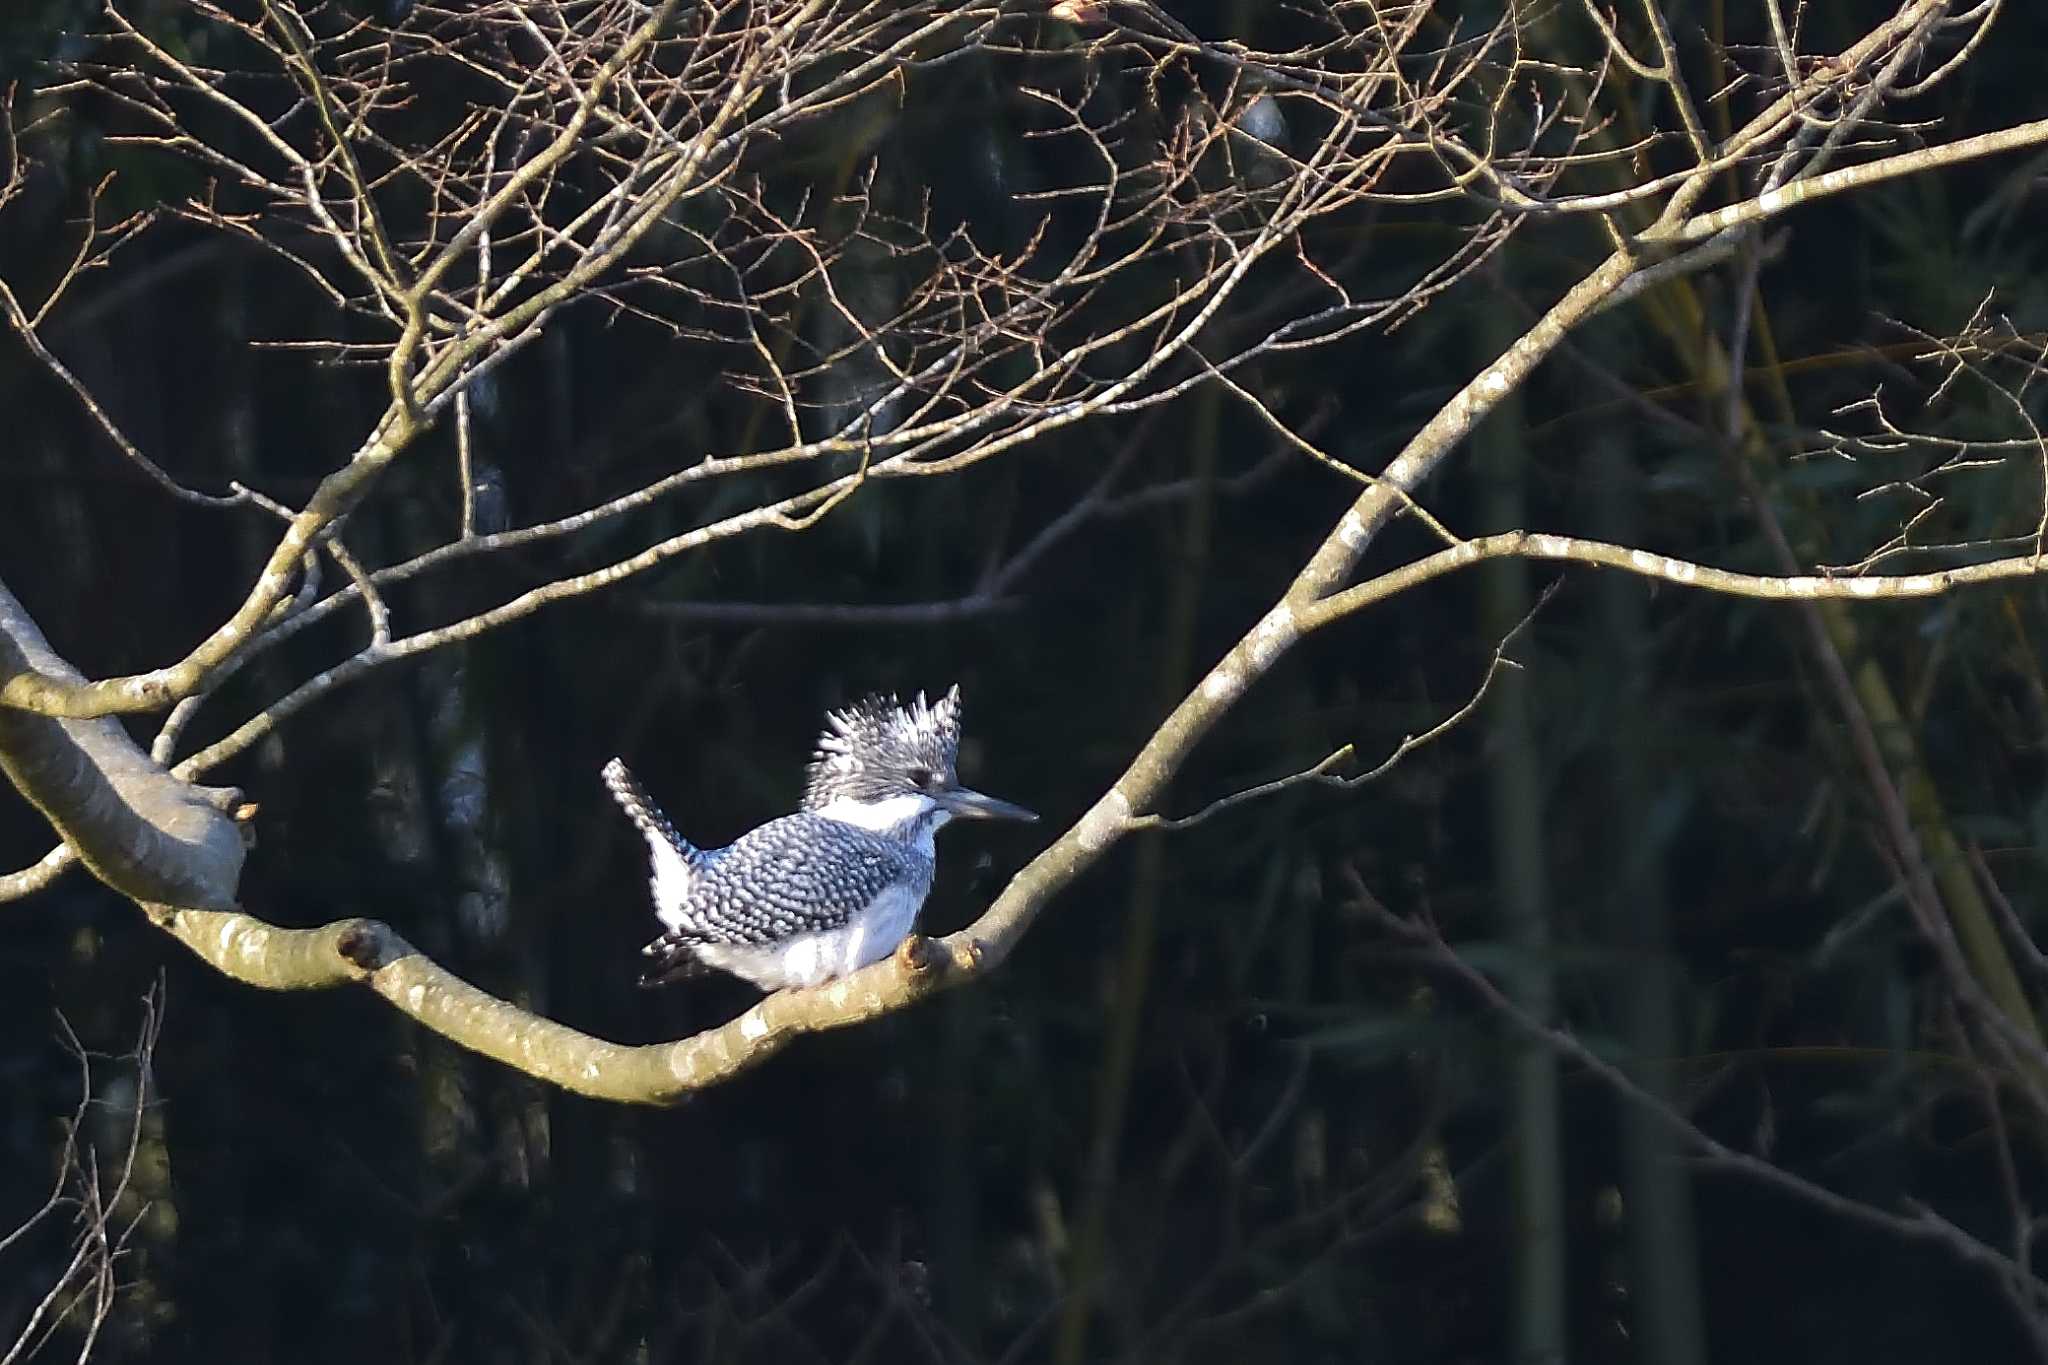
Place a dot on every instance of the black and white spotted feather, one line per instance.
(838, 885)
(796, 878)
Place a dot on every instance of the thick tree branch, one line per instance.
(366, 952)
(142, 831)
(1298, 609)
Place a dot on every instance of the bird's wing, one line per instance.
(797, 875)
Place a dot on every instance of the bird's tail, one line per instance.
(675, 858)
(647, 817)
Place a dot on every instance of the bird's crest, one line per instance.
(871, 749)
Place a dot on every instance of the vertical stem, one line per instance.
(1120, 1049)
(464, 463)
(1657, 1195)
(1536, 1177)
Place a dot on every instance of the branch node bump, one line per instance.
(916, 955)
(362, 945)
(969, 958)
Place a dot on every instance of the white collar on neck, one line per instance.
(886, 816)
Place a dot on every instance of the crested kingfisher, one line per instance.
(821, 893)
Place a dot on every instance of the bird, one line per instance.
(813, 896)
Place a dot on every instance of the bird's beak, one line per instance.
(972, 805)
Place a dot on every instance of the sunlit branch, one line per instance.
(141, 830)
(1772, 203)
(367, 953)
(1151, 288)
(1572, 549)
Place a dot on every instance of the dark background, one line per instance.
(326, 1182)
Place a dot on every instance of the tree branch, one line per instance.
(1601, 554)
(253, 951)
(950, 403)
(1771, 203)
(28, 688)
(26, 328)
(142, 831)
(366, 952)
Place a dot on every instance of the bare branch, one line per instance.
(25, 328)
(97, 1195)
(365, 952)
(623, 162)
(1917, 1225)
(1772, 203)
(1320, 774)
(142, 831)
(1572, 549)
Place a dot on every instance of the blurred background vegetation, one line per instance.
(1208, 1088)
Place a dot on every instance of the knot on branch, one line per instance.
(968, 956)
(364, 944)
(227, 800)
(917, 955)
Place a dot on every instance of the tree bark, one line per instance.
(147, 834)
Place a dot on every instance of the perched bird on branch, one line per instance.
(821, 893)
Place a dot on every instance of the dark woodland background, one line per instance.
(1306, 1158)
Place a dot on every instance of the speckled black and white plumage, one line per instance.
(791, 903)
(870, 750)
(824, 892)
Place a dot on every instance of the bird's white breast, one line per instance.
(814, 958)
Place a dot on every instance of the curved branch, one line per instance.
(38, 874)
(31, 690)
(366, 952)
(1601, 554)
(369, 953)
(142, 831)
